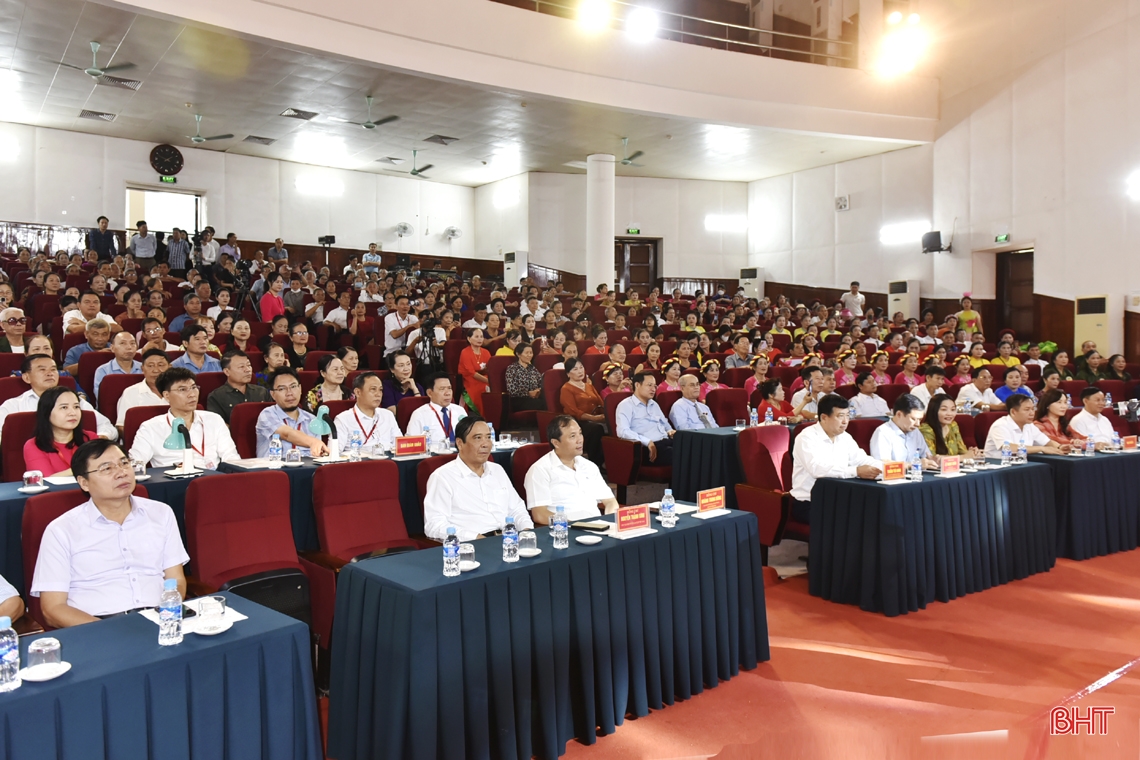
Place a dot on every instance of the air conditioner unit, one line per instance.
(902, 295)
(1091, 321)
(515, 264)
(753, 283)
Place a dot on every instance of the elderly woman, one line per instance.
(524, 381)
(332, 386)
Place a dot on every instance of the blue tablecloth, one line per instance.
(245, 693)
(706, 459)
(894, 549)
(512, 661)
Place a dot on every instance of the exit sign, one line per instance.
(633, 231)
(168, 179)
(1001, 239)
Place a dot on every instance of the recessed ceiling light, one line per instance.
(641, 25)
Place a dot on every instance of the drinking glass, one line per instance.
(211, 612)
(466, 556)
(742, 423)
(139, 467)
(33, 479)
(44, 651)
(504, 440)
(528, 542)
(293, 457)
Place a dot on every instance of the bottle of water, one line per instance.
(1116, 445)
(1022, 452)
(1069, 396)
(560, 528)
(170, 614)
(9, 656)
(753, 417)
(275, 452)
(1108, 401)
(451, 554)
(1090, 447)
(354, 444)
(491, 429)
(1006, 454)
(510, 541)
(768, 416)
(916, 468)
(427, 437)
(669, 504)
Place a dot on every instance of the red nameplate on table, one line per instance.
(632, 518)
(709, 500)
(1128, 442)
(410, 444)
(950, 465)
(894, 470)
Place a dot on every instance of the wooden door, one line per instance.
(635, 262)
(1015, 294)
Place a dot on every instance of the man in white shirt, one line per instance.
(75, 320)
(979, 392)
(397, 325)
(1017, 426)
(210, 438)
(439, 415)
(40, 372)
(826, 450)
(110, 554)
(818, 382)
(479, 319)
(867, 403)
(11, 605)
(898, 439)
(376, 425)
(470, 493)
(1034, 352)
(853, 300)
(935, 377)
(340, 316)
(1089, 422)
(565, 478)
(210, 247)
(688, 413)
(532, 307)
(146, 393)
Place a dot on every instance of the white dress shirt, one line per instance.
(970, 392)
(210, 251)
(853, 302)
(28, 401)
(338, 317)
(890, 444)
(874, 405)
(473, 505)
(1096, 427)
(816, 455)
(1006, 430)
(105, 567)
(922, 393)
(7, 590)
(209, 438)
(431, 416)
(549, 483)
(381, 428)
(77, 314)
(471, 324)
(392, 322)
(138, 394)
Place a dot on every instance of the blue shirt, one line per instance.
(686, 415)
(179, 322)
(372, 262)
(274, 417)
(1005, 392)
(112, 368)
(641, 422)
(209, 364)
(890, 444)
(75, 352)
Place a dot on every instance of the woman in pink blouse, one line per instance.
(960, 375)
(909, 368)
(710, 371)
(672, 381)
(880, 360)
(845, 375)
(58, 433)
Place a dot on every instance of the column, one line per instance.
(599, 220)
(870, 33)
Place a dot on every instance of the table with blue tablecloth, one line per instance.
(706, 459)
(244, 693)
(515, 660)
(896, 548)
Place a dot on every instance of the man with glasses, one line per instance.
(154, 337)
(111, 554)
(123, 347)
(14, 324)
(286, 418)
(146, 393)
(195, 339)
(239, 387)
(209, 437)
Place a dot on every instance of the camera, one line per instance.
(327, 240)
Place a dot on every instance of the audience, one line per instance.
(145, 393)
(639, 418)
(75, 320)
(98, 333)
(899, 439)
(400, 384)
(826, 450)
(439, 417)
(565, 478)
(332, 386)
(1017, 426)
(375, 424)
(239, 387)
(196, 357)
(210, 438)
(286, 419)
(1052, 420)
(940, 430)
(58, 434)
(1089, 422)
(123, 347)
(580, 399)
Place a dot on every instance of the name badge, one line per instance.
(411, 444)
(632, 518)
(950, 465)
(710, 499)
(894, 470)
(1129, 442)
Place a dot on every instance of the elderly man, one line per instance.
(639, 418)
(75, 320)
(143, 246)
(98, 334)
(741, 356)
(123, 347)
(111, 554)
(239, 387)
(898, 439)
(979, 392)
(277, 252)
(1017, 427)
(210, 438)
(14, 324)
(145, 393)
(688, 413)
(565, 478)
(470, 493)
(193, 305)
(286, 419)
(1089, 422)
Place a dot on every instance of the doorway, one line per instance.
(163, 210)
(635, 262)
(1015, 292)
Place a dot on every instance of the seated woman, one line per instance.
(1061, 364)
(617, 356)
(978, 355)
(279, 326)
(615, 379)
(960, 374)
(514, 339)
(845, 375)
(134, 310)
(652, 361)
(1113, 369)
(880, 360)
(941, 432)
(692, 323)
(1050, 418)
(773, 393)
(332, 386)
(1050, 381)
(240, 336)
(1091, 372)
(672, 381)
(909, 375)
(399, 384)
(298, 347)
(684, 355)
(494, 328)
(710, 371)
(59, 432)
(274, 358)
(760, 366)
(704, 348)
(524, 381)
(580, 400)
(349, 357)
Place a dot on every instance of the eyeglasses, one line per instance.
(286, 388)
(17, 321)
(107, 469)
(300, 334)
(185, 389)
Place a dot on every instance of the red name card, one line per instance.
(709, 500)
(1129, 442)
(894, 470)
(632, 518)
(410, 444)
(950, 465)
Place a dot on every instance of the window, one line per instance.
(164, 210)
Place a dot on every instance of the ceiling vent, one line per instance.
(576, 164)
(296, 113)
(260, 140)
(441, 140)
(391, 160)
(122, 84)
(96, 115)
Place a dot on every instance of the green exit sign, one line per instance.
(1001, 239)
(168, 179)
(633, 231)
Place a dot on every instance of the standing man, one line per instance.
(376, 425)
(278, 252)
(239, 387)
(853, 301)
(639, 418)
(372, 259)
(102, 240)
(123, 347)
(286, 418)
(178, 254)
(210, 247)
(397, 325)
(144, 246)
(565, 478)
(827, 450)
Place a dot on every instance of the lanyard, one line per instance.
(360, 425)
(447, 427)
(201, 452)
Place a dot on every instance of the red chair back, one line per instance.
(982, 424)
(19, 427)
(1118, 389)
(10, 387)
(208, 382)
(521, 462)
(890, 393)
(111, 390)
(612, 402)
(134, 418)
(862, 430)
(88, 363)
(967, 429)
(404, 410)
(736, 376)
(763, 451)
(666, 400)
(552, 382)
(1073, 388)
(312, 357)
(424, 471)
(357, 506)
(10, 363)
(243, 426)
(727, 405)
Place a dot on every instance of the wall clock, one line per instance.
(166, 159)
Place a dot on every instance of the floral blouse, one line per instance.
(316, 397)
(522, 380)
(955, 446)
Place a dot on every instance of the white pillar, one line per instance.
(870, 33)
(599, 220)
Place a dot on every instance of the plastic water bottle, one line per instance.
(170, 614)
(1022, 452)
(1107, 400)
(560, 528)
(753, 417)
(427, 437)
(768, 416)
(1006, 454)
(9, 656)
(1090, 447)
(491, 429)
(275, 454)
(451, 554)
(1069, 396)
(354, 444)
(916, 468)
(1116, 445)
(669, 504)
(510, 541)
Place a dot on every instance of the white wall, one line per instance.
(61, 177)
(501, 217)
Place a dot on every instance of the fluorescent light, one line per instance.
(506, 195)
(319, 184)
(902, 48)
(314, 148)
(726, 141)
(913, 18)
(641, 25)
(903, 232)
(726, 222)
(594, 15)
(1134, 185)
(9, 149)
(894, 18)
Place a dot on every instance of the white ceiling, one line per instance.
(242, 85)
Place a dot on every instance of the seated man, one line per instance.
(192, 303)
(1017, 426)
(741, 356)
(639, 418)
(1089, 422)
(196, 339)
(375, 424)
(146, 393)
(76, 319)
(123, 347)
(806, 400)
(1013, 384)
(155, 336)
(935, 377)
(83, 572)
(826, 450)
(470, 493)
(867, 403)
(565, 478)
(209, 437)
(898, 439)
(979, 393)
(688, 413)
(98, 333)
(239, 386)
(40, 372)
(11, 605)
(286, 418)
(439, 416)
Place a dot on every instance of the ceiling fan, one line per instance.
(414, 172)
(94, 70)
(367, 124)
(628, 160)
(197, 138)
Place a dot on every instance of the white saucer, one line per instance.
(293, 464)
(529, 552)
(225, 626)
(32, 489)
(140, 478)
(588, 540)
(468, 566)
(737, 429)
(45, 672)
